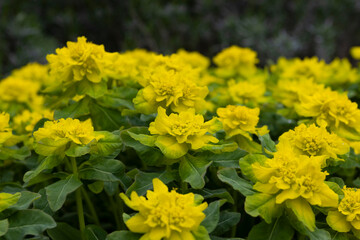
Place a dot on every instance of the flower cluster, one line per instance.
(165, 215)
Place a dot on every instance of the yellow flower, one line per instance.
(247, 92)
(295, 181)
(235, 59)
(341, 72)
(347, 215)
(355, 52)
(164, 215)
(34, 72)
(178, 133)
(5, 130)
(313, 141)
(26, 121)
(23, 91)
(8, 199)
(54, 137)
(170, 88)
(78, 61)
(195, 59)
(288, 91)
(240, 120)
(306, 68)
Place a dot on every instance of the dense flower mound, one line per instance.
(138, 145)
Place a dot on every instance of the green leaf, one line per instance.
(109, 144)
(47, 163)
(25, 200)
(4, 226)
(94, 90)
(221, 147)
(335, 187)
(64, 231)
(317, 234)
(226, 159)
(246, 162)
(56, 193)
(76, 151)
(108, 170)
(107, 119)
(226, 221)
(192, 170)
(278, 230)
(214, 193)
(201, 233)
(229, 176)
(14, 153)
(8, 200)
(264, 205)
(212, 213)
(147, 140)
(28, 222)
(96, 187)
(94, 232)
(143, 181)
(123, 235)
(150, 155)
(120, 97)
(74, 110)
(267, 144)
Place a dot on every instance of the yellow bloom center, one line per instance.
(350, 204)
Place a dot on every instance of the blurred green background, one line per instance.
(30, 29)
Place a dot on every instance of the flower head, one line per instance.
(79, 60)
(34, 72)
(347, 215)
(170, 83)
(296, 181)
(240, 120)
(177, 133)
(247, 92)
(26, 121)
(163, 214)
(313, 141)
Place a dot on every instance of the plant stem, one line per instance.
(184, 187)
(91, 207)
(120, 205)
(79, 204)
(115, 212)
(235, 196)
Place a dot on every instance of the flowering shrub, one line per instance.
(138, 145)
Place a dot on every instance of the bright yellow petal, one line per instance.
(159, 186)
(286, 194)
(137, 224)
(338, 222)
(157, 233)
(356, 224)
(303, 212)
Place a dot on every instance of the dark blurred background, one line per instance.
(30, 29)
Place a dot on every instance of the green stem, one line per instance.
(120, 205)
(184, 187)
(91, 207)
(115, 212)
(79, 204)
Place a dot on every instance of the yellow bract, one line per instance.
(34, 72)
(67, 130)
(296, 181)
(347, 215)
(178, 133)
(234, 59)
(169, 82)
(248, 92)
(5, 130)
(18, 90)
(78, 61)
(164, 215)
(313, 141)
(240, 120)
(26, 121)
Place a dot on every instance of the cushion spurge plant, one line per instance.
(136, 145)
